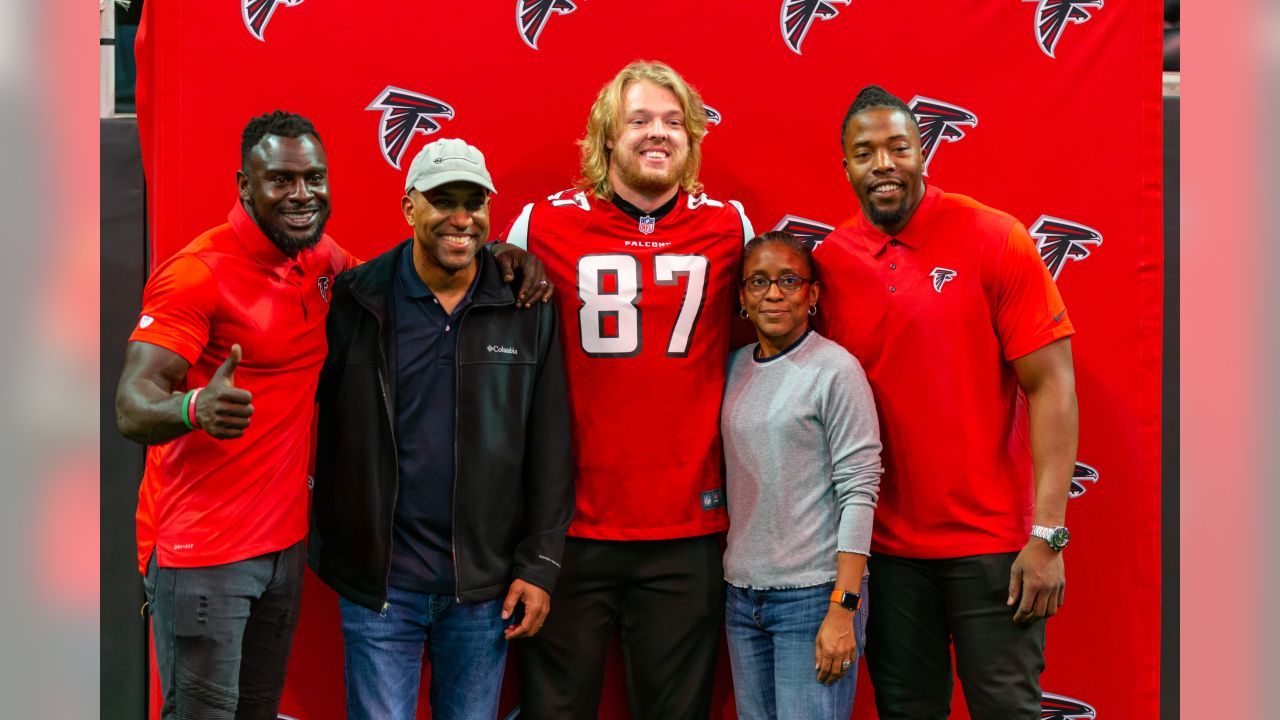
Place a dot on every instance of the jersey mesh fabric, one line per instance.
(934, 314)
(646, 318)
(209, 502)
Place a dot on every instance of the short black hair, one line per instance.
(781, 237)
(276, 122)
(874, 97)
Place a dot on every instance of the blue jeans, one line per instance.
(383, 655)
(771, 637)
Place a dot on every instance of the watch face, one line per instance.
(1059, 539)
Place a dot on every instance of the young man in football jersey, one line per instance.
(647, 264)
(952, 313)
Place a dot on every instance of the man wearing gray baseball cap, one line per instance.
(443, 472)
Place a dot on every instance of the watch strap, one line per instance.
(844, 599)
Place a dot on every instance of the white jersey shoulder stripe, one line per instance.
(747, 231)
(519, 234)
(572, 197)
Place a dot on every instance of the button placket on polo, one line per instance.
(893, 265)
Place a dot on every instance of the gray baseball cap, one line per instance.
(445, 161)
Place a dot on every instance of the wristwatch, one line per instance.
(1057, 537)
(848, 600)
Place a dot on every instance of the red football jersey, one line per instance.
(645, 307)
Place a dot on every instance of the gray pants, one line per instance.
(223, 633)
(921, 607)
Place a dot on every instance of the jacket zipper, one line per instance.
(453, 505)
(395, 456)
(453, 499)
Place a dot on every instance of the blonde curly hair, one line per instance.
(606, 112)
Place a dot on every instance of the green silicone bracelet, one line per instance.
(186, 403)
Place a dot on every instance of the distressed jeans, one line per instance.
(223, 634)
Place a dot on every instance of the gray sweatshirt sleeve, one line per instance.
(853, 434)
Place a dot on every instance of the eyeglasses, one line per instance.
(757, 285)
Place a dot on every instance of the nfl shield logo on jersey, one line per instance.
(646, 224)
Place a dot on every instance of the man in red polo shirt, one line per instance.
(219, 379)
(965, 341)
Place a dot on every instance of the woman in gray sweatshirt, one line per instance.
(802, 454)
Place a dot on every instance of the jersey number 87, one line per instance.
(609, 321)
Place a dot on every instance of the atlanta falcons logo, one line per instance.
(403, 114)
(1061, 707)
(941, 276)
(713, 115)
(257, 13)
(1061, 240)
(532, 16)
(939, 122)
(322, 282)
(1081, 475)
(808, 231)
(798, 16)
(1052, 17)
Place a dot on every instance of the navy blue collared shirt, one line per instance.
(426, 340)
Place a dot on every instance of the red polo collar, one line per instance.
(913, 235)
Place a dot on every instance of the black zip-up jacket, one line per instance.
(513, 487)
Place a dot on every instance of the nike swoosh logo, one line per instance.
(1058, 317)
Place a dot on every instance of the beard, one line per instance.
(887, 218)
(649, 182)
(289, 244)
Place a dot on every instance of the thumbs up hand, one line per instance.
(222, 408)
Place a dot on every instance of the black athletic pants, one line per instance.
(667, 599)
(921, 607)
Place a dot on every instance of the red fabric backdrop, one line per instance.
(1055, 111)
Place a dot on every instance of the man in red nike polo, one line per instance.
(219, 380)
(965, 341)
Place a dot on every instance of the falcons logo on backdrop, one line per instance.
(1061, 707)
(532, 16)
(1052, 17)
(257, 13)
(1061, 240)
(713, 115)
(941, 276)
(403, 114)
(809, 231)
(798, 17)
(1081, 475)
(939, 122)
